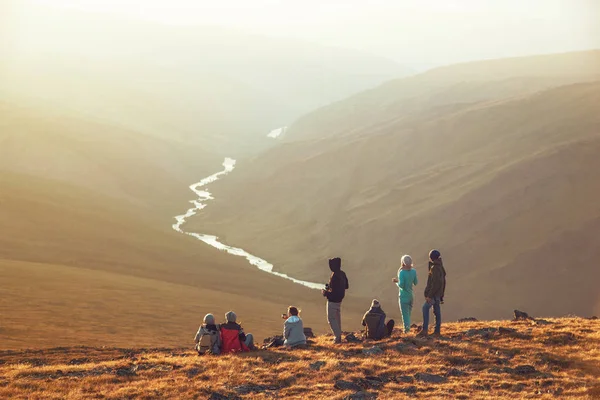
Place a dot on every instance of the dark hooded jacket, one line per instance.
(338, 282)
(436, 281)
(374, 321)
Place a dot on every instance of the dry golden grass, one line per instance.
(565, 355)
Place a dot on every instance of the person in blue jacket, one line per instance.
(407, 278)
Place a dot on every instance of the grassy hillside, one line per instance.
(86, 269)
(504, 183)
(555, 358)
(119, 163)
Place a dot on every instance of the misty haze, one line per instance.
(180, 168)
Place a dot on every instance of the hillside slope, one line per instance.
(148, 172)
(492, 182)
(555, 358)
(79, 268)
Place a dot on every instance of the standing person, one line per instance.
(407, 278)
(208, 337)
(335, 291)
(293, 329)
(434, 292)
(374, 321)
(233, 338)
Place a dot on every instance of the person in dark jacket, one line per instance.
(374, 321)
(434, 293)
(335, 292)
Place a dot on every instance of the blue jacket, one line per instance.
(406, 280)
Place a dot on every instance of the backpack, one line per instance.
(209, 342)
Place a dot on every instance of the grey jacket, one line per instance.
(293, 331)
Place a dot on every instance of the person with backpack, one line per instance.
(407, 278)
(293, 329)
(233, 338)
(434, 293)
(374, 321)
(335, 291)
(208, 337)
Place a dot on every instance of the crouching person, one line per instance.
(233, 338)
(374, 321)
(293, 329)
(208, 337)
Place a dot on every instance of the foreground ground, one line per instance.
(553, 358)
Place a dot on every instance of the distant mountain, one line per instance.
(223, 89)
(495, 163)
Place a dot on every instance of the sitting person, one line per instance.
(293, 329)
(233, 338)
(208, 338)
(374, 321)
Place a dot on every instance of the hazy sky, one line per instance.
(414, 32)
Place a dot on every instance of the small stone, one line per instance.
(410, 390)
(521, 315)
(79, 361)
(518, 387)
(192, 372)
(593, 317)
(373, 350)
(403, 347)
(361, 396)
(316, 366)
(219, 396)
(541, 322)
(525, 370)
(506, 331)
(468, 319)
(456, 372)
(483, 332)
(251, 388)
(126, 371)
(430, 378)
(374, 382)
(405, 379)
(345, 385)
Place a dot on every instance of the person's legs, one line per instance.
(437, 311)
(249, 341)
(334, 318)
(406, 309)
(426, 308)
(390, 327)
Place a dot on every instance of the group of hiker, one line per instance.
(230, 337)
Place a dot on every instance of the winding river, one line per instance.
(202, 197)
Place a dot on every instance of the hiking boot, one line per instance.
(422, 334)
(337, 341)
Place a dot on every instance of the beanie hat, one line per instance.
(375, 303)
(230, 316)
(209, 319)
(434, 255)
(407, 260)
